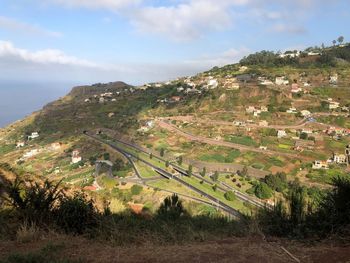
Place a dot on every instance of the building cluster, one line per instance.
(256, 111)
(146, 126)
(337, 158)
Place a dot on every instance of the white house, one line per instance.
(257, 113)
(317, 165)
(76, 158)
(33, 135)
(213, 83)
(264, 109)
(281, 81)
(333, 105)
(281, 133)
(340, 158)
(333, 79)
(305, 113)
(250, 109)
(20, 144)
(292, 110)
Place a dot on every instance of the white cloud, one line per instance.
(227, 57)
(10, 53)
(185, 21)
(291, 29)
(15, 25)
(113, 5)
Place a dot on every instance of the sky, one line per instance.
(139, 41)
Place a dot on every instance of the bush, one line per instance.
(76, 214)
(136, 189)
(230, 196)
(171, 208)
(277, 182)
(263, 191)
(34, 203)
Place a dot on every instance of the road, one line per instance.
(201, 139)
(190, 118)
(243, 197)
(168, 175)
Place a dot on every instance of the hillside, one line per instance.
(240, 123)
(236, 144)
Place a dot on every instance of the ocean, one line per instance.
(20, 99)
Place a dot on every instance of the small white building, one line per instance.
(292, 110)
(281, 134)
(333, 105)
(333, 79)
(281, 81)
(340, 158)
(305, 113)
(20, 144)
(264, 109)
(213, 83)
(250, 109)
(33, 135)
(318, 165)
(76, 158)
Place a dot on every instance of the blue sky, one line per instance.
(137, 41)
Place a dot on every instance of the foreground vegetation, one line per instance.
(25, 208)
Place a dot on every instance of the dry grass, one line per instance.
(248, 249)
(28, 233)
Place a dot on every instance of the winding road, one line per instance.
(216, 203)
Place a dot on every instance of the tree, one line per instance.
(215, 176)
(230, 196)
(340, 39)
(167, 163)
(189, 171)
(151, 155)
(215, 187)
(106, 156)
(171, 208)
(179, 160)
(277, 182)
(244, 171)
(304, 136)
(334, 42)
(161, 152)
(263, 191)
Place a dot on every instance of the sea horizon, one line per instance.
(19, 99)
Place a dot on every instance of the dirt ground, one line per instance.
(229, 250)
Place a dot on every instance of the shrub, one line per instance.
(263, 191)
(171, 208)
(35, 203)
(230, 196)
(76, 214)
(277, 182)
(27, 233)
(136, 189)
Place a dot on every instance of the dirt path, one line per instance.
(189, 136)
(228, 250)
